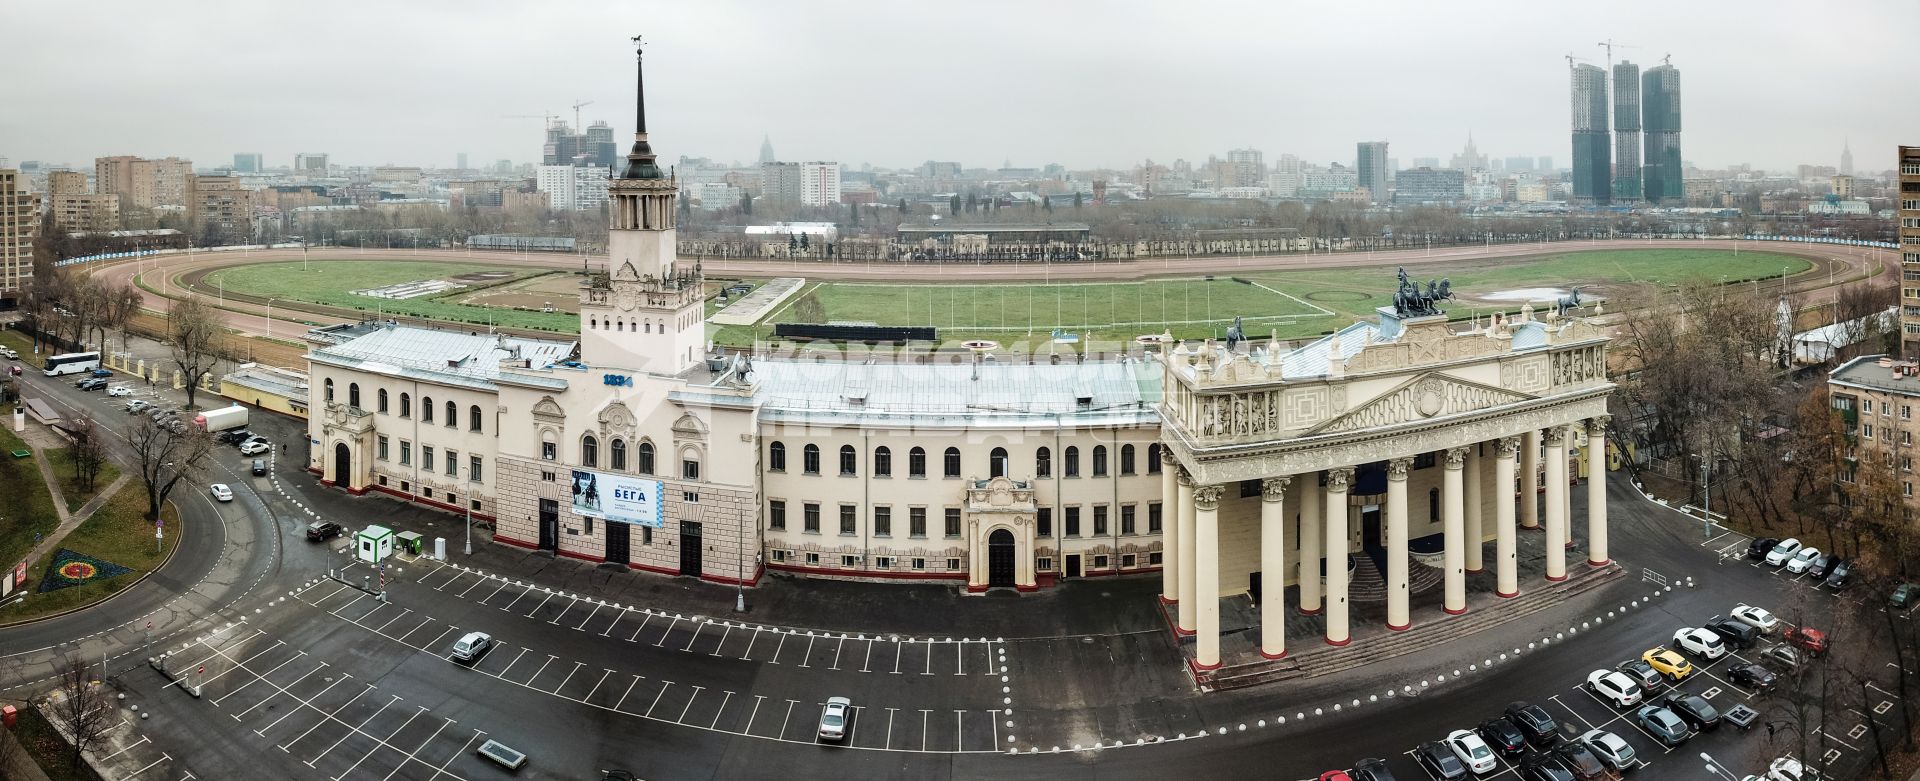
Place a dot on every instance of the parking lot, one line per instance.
(1731, 549)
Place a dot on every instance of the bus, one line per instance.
(72, 363)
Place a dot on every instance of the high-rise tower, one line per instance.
(1592, 155)
(1909, 184)
(1626, 132)
(1660, 108)
(1371, 164)
(766, 151)
(645, 314)
(1846, 158)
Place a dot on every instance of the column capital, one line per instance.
(1509, 446)
(1206, 497)
(1397, 468)
(1338, 478)
(1555, 435)
(1184, 477)
(1273, 488)
(1456, 458)
(1597, 425)
(1166, 456)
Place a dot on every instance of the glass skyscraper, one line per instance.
(1626, 132)
(1592, 149)
(1660, 107)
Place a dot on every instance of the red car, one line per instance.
(1335, 775)
(1813, 640)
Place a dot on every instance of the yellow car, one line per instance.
(1668, 663)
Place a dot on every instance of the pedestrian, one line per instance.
(283, 448)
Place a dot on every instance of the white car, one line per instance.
(221, 492)
(1802, 560)
(138, 405)
(254, 448)
(8, 351)
(833, 719)
(471, 646)
(1617, 753)
(1615, 687)
(1790, 769)
(1756, 617)
(119, 390)
(1783, 551)
(1700, 642)
(1472, 750)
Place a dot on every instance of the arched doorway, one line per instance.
(342, 466)
(1000, 558)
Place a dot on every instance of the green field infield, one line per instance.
(331, 282)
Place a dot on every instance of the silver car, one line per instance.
(471, 646)
(1617, 753)
(833, 719)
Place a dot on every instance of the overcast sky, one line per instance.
(896, 83)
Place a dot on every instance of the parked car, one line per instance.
(1663, 725)
(1668, 663)
(1582, 761)
(1802, 560)
(1759, 548)
(1693, 709)
(1502, 736)
(138, 405)
(1752, 676)
(232, 436)
(248, 439)
(259, 467)
(1823, 565)
(1778, 554)
(91, 384)
(471, 646)
(158, 413)
(8, 351)
(1472, 750)
(119, 390)
(1790, 769)
(1699, 642)
(1784, 657)
(1813, 641)
(103, 372)
(1614, 687)
(1534, 722)
(1642, 673)
(1439, 761)
(321, 531)
(1611, 749)
(1903, 596)
(833, 719)
(1544, 767)
(1371, 769)
(1841, 575)
(221, 493)
(1756, 617)
(254, 448)
(1737, 635)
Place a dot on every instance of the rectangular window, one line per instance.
(777, 514)
(646, 535)
(1128, 561)
(849, 561)
(1099, 520)
(1073, 522)
(1423, 460)
(1153, 518)
(813, 558)
(453, 463)
(810, 518)
(690, 497)
(426, 457)
(848, 522)
(953, 522)
(883, 562)
(779, 556)
(883, 522)
(1043, 564)
(1100, 561)
(549, 452)
(919, 563)
(1153, 559)
(383, 447)
(589, 524)
(1043, 522)
(689, 470)
(547, 476)
(473, 469)
(1866, 430)
(428, 493)
(406, 452)
(917, 522)
(953, 565)
(1126, 519)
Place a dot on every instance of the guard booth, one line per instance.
(373, 544)
(409, 543)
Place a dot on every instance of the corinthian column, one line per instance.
(1475, 527)
(1597, 491)
(1530, 481)
(1310, 519)
(1206, 557)
(1273, 567)
(1337, 482)
(1508, 582)
(1397, 596)
(1169, 532)
(1453, 528)
(1557, 503)
(1186, 552)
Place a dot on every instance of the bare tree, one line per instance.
(122, 303)
(168, 454)
(89, 453)
(80, 708)
(193, 327)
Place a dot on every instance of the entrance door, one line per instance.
(690, 548)
(342, 466)
(549, 524)
(1370, 528)
(1253, 586)
(1000, 558)
(617, 542)
(1073, 566)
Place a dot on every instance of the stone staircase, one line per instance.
(1370, 583)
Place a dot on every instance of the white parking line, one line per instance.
(389, 737)
(412, 756)
(587, 620)
(269, 698)
(262, 732)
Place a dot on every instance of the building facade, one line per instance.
(1371, 165)
(310, 163)
(220, 208)
(84, 212)
(1909, 232)
(19, 223)
(1665, 173)
(1626, 133)
(572, 187)
(1592, 149)
(249, 163)
(805, 184)
(1428, 185)
(143, 183)
(1876, 397)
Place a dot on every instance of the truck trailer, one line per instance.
(221, 419)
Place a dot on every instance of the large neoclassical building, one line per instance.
(1225, 468)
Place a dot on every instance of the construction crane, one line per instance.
(1571, 59)
(1609, 45)
(1667, 60)
(577, 127)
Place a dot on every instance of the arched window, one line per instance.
(617, 455)
(1043, 463)
(646, 458)
(997, 462)
(474, 420)
(1072, 458)
(689, 464)
(353, 394)
(406, 405)
(593, 322)
(849, 460)
(1153, 459)
(453, 415)
(381, 399)
(1126, 459)
(649, 326)
(620, 325)
(916, 463)
(426, 409)
(589, 451)
(810, 459)
(951, 468)
(776, 457)
(882, 462)
(1099, 460)
(329, 389)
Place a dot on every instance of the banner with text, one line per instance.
(618, 498)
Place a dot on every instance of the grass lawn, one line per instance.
(117, 533)
(332, 281)
(28, 508)
(62, 461)
(49, 748)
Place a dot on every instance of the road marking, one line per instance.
(589, 619)
(222, 673)
(476, 583)
(269, 698)
(696, 635)
(496, 592)
(808, 656)
(563, 681)
(929, 670)
(388, 738)
(897, 646)
(663, 635)
(536, 608)
(960, 658)
(869, 660)
(757, 699)
(457, 754)
(789, 717)
(750, 641)
(853, 726)
(413, 755)
(684, 711)
(443, 633)
(383, 627)
(403, 638)
(516, 660)
(924, 716)
(623, 697)
(724, 632)
(890, 712)
(643, 625)
(257, 677)
(128, 747)
(959, 744)
(783, 644)
(543, 668)
(656, 698)
(563, 610)
(596, 684)
(723, 709)
(837, 647)
(333, 715)
(163, 758)
(262, 732)
(617, 615)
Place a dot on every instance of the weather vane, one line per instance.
(638, 45)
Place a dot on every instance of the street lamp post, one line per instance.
(469, 548)
(1706, 482)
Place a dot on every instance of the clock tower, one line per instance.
(646, 312)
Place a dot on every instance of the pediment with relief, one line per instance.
(617, 419)
(1427, 396)
(547, 409)
(689, 427)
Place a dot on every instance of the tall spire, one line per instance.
(640, 160)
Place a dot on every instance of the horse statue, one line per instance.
(1235, 335)
(1568, 302)
(1411, 301)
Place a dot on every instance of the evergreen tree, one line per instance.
(1046, 203)
(853, 215)
(953, 205)
(903, 207)
(1076, 199)
(746, 204)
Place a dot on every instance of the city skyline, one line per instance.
(436, 99)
